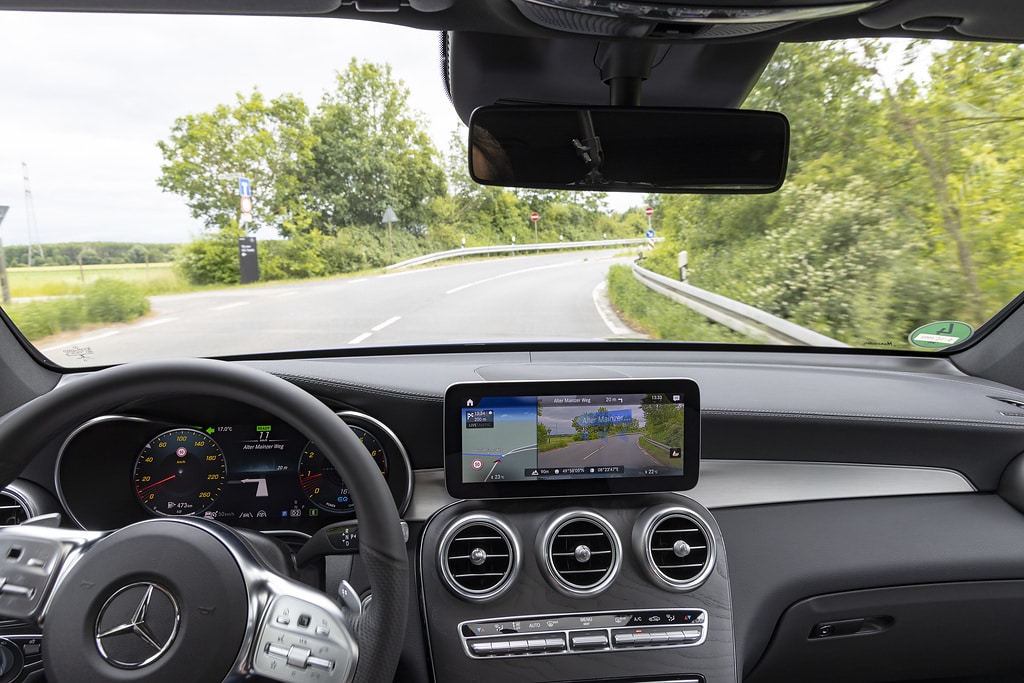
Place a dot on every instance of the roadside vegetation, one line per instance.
(902, 203)
(658, 316)
(323, 175)
(107, 300)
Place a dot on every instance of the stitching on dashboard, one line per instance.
(989, 386)
(379, 391)
(861, 417)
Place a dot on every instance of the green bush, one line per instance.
(109, 300)
(211, 260)
(38, 319)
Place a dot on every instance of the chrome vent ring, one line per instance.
(580, 552)
(675, 546)
(479, 557)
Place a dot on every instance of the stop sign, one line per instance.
(649, 211)
(534, 216)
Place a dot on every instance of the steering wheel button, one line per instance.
(323, 631)
(283, 620)
(321, 663)
(298, 656)
(277, 651)
(303, 621)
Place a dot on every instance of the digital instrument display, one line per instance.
(512, 439)
(264, 476)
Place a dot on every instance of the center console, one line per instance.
(572, 556)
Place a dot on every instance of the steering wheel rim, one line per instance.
(24, 432)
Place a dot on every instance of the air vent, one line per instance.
(677, 547)
(479, 557)
(581, 553)
(12, 510)
(1009, 401)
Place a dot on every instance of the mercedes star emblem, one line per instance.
(137, 625)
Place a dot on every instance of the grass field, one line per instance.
(154, 278)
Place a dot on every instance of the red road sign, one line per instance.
(649, 211)
(534, 216)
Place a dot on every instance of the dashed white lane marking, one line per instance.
(376, 328)
(232, 305)
(387, 322)
(158, 321)
(282, 295)
(510, 274)
(592, 452)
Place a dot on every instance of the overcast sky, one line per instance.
(85, 98)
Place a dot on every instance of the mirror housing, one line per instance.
(629, 149)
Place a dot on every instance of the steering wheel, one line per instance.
(188, 599)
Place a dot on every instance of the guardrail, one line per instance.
(741, 317)
(512, 248)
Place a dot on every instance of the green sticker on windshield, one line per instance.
(941, 334)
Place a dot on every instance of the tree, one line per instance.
(371, 151)
(269, 142)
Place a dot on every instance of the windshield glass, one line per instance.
(215, 186)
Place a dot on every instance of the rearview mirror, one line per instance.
(629, 149)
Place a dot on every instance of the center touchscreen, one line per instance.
(568, 438)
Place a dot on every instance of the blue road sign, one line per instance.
(650, 233)
(244, 187)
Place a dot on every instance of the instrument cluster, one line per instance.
(257, 473)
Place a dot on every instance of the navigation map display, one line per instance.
(566, 438)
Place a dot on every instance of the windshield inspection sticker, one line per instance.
(941, 334)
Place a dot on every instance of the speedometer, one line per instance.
(180, 472)
(322, 483)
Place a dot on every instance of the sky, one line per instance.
(85, 98)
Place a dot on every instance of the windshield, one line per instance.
(216, 186)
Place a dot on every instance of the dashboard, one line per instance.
(793, 486)
(222, 462)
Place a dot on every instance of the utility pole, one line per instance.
(30, 215)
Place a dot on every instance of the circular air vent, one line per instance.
(479, 557)
(13, 510)
(581, 553)
(677, 548)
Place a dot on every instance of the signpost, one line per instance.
(245, 200)
(248, 260)
(389, 218)
(534, 217)
(3, 262)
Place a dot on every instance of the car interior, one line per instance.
(827, 514)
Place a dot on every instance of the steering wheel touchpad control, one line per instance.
(300, 641)
(565, 634)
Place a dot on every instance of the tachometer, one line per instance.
(323, 484)
(180, 472)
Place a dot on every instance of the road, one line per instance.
(546, 297)
(615, 450)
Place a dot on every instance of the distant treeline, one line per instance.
(90, 253)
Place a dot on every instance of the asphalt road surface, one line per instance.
(546, 297)
(615, 450)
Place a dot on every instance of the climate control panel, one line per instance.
(578, 633)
